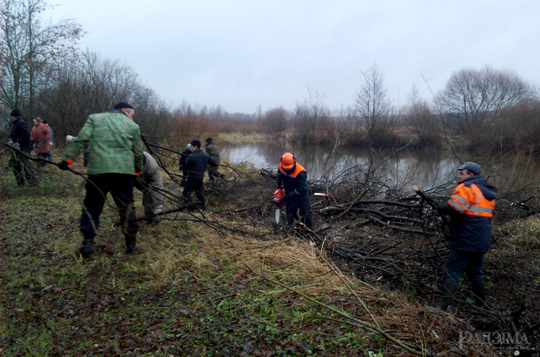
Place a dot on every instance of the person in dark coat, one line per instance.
(196, 164)
(293, 178)
(213, 150)
(471, 210)
(20, 137)
(182, 167)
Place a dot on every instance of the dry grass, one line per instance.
(175, 251)
(521, 235)
(298, 264)
(241, 138)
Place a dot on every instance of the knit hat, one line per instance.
(209, 139)
(15, 113)
(123, 105)
(196, 142)
(471, 166)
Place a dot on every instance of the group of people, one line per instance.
(193, 163)
(42, 139)
(39, 139)
(117, 164)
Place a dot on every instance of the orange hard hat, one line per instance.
(287, 161)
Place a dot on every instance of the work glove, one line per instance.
(64, 165)
(10, 142)
(284, 198)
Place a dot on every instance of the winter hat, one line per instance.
(123, 105)
(209, 139)
(196, 142)
(15, 113)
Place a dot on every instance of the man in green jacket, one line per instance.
(115, 160)
(213, 150)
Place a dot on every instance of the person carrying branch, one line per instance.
(150, 184)
(114, 161)
(196, 164)
(20, 138)
(182, 166)
(471, 209)
(293, 178)
(213, 150)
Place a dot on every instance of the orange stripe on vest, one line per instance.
(471, 201)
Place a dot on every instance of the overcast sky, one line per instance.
(244, 53)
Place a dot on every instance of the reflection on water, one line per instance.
(425, 168)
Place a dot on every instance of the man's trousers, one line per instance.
(121, 188)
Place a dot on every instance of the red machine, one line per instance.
(278, 194)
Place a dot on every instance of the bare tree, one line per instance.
(374, 108)
(473, 99)
(88, 84)
(518, 128)
(311, 117)
(29, 47)
(275, 120)
(422, 121)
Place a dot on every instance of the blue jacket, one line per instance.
(471, 209)
(295, 183)
(20, 134)
(197, 163)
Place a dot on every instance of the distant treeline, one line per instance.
(45, 75)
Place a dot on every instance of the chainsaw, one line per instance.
(278, 194)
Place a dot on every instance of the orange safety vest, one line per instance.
(298, 169)
(471, 201)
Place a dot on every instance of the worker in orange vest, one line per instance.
(293, 178)
(471, 209)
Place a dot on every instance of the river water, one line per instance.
(424, 168)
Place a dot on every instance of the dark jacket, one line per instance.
(183, 158)
(295, 183)
(20, 134)
(471, 209)
(212, 150)
(197, 163)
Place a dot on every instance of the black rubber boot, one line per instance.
(479, 293)
(448, 290)
(131, 243)
(86, 247)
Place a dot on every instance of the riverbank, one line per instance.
(213, 284)
(229, 282)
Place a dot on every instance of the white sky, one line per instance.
(244, 53)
